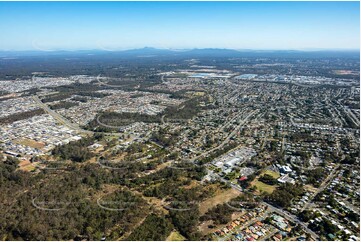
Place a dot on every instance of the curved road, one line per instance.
(66, 122)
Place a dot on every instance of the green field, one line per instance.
(262, 187)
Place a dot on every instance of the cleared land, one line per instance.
(26, 165)
(220, 198)
(175, 236)
(31, 143)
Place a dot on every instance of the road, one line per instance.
(348, 112)
(349, 205)
(245, 225)
(285, 214)
(273, 232)
(60, 118)
(292, 218)
(66, 122)
(242, 122)
(283, 143)
(322, 187)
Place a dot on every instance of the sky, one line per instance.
(179, 25)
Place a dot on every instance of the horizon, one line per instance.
(119, 26)
(190, 49)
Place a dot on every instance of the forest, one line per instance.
(187, 110)
(284, 194)
(75, 150)
(20, 116)
(62, 205)
(86, 201)
(63, 104)
(153, 228)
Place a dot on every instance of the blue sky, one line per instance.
(126, 25)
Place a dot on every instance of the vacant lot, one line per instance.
(175, 236)
(26, 165)
(31, 143)
(220, 198)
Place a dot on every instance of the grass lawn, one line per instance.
(274, 174)
(175, 236)
(262, 187)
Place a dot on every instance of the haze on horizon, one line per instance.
(179, 25)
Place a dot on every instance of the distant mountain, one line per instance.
(188, 53)
(147, 51)
(231, 53)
